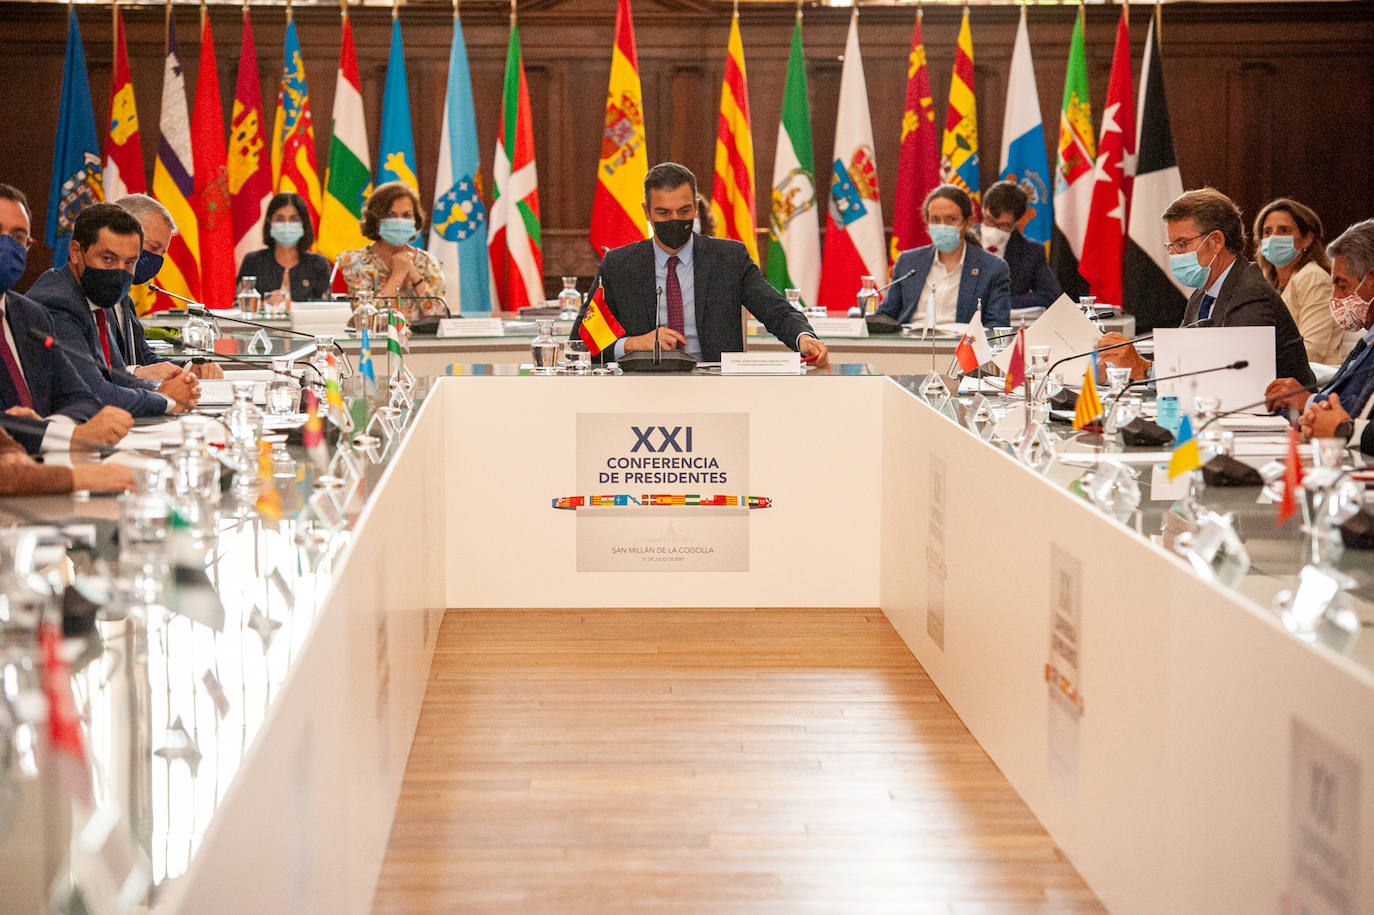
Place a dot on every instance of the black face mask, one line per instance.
(673, 232)
(105, 287)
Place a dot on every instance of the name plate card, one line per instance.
(471, 327)
(760, 363)
(839, 327)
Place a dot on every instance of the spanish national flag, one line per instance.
(616, 215)
(599, 328)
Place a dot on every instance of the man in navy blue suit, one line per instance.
(36, 383)
(953, 274)
(1032, 281)
(102, 256)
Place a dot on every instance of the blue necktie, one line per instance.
(1205, 308)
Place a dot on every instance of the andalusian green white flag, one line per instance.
(794, 235)
(349, 178)
(397, 332)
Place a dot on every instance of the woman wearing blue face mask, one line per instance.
(1291, 252)
(287, 265)
(952, 275)
(390, 266)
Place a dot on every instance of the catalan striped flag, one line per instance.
(959, 148)
(396, 159)
(1089, 405)
(250, 167)
(732, 190)
(348, 175)
(174, 181)
(211, 204)
(123, 172)
(293, 131)
(617, 217)
(76, 180)
(599, 328)
(918, 170)
(515, 240)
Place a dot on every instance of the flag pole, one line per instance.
(455, 10)
(288, 11)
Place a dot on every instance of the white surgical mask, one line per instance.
(995, 240)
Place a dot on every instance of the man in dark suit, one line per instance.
(687, 289)
(949, 277)
(1206, 241)
(158, 229)
(38, 384)
(80, 297)
(1032, 281)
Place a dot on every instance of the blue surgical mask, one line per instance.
(148, 266)
(287, 234)
(1278, 250)
(1188, 271)
(12, 259)
(946, 238)
(397, 230)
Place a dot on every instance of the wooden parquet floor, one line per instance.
(703, 761)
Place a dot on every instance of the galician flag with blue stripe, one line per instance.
(1023, 142)
(76, 180)
(397, 159)
(458, 231)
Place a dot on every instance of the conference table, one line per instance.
(1184, 750)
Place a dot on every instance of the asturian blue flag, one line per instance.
(76, 155)
(458, 231)
(397, 159)
(365, 362)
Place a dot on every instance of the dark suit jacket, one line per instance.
(74, 325)
(133, 344)
(724, 278)
(53, 383)
(985, 278)
(1353, 381)
(309, 278)
(1032, 282)
(1247, 299)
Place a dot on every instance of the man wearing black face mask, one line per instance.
(102, 256)
(688, 289)
(158, 230)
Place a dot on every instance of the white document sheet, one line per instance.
(1189, 349)
(1065, 330)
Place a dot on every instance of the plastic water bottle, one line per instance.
(1167, 413)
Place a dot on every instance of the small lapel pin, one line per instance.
(973, 272)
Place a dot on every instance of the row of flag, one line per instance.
(1082, 210)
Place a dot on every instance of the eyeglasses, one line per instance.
(22, 237)
(1181, 245)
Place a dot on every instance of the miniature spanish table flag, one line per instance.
(1186, 455)
(1292, 480)
(599, 328)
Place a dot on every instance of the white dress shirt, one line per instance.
(942, 286)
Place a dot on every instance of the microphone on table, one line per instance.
(658, 359)
(1230, 366)
(220, 357)
(1310, 389)
(1093, 351)
(108, 371)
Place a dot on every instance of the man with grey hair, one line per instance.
(1341, 408)
(158, 229)
(1206, 244)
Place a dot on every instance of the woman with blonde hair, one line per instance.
(1291, 252)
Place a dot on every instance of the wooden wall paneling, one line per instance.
(1316, 83)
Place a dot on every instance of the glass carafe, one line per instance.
(546, 349)
(569, 300)
(244, 420)
(198, 335)
(793, 298)
(283, 391)
(868, 296)
(196, 477)
(247, 299)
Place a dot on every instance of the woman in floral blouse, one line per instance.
(390, 267)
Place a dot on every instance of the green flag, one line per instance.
(794, 235)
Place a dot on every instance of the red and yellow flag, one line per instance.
(599, 327)
(918, 171)
(959, 147)
(617, 217)
(250, 169)
(1089, 406)
(732, 191)
(174, 181)
(123, 171)
(293, 134)
(211, 199)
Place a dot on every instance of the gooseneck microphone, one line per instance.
(108, 371)
(1309, 388)
(1229, 367)
(1099, 349)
